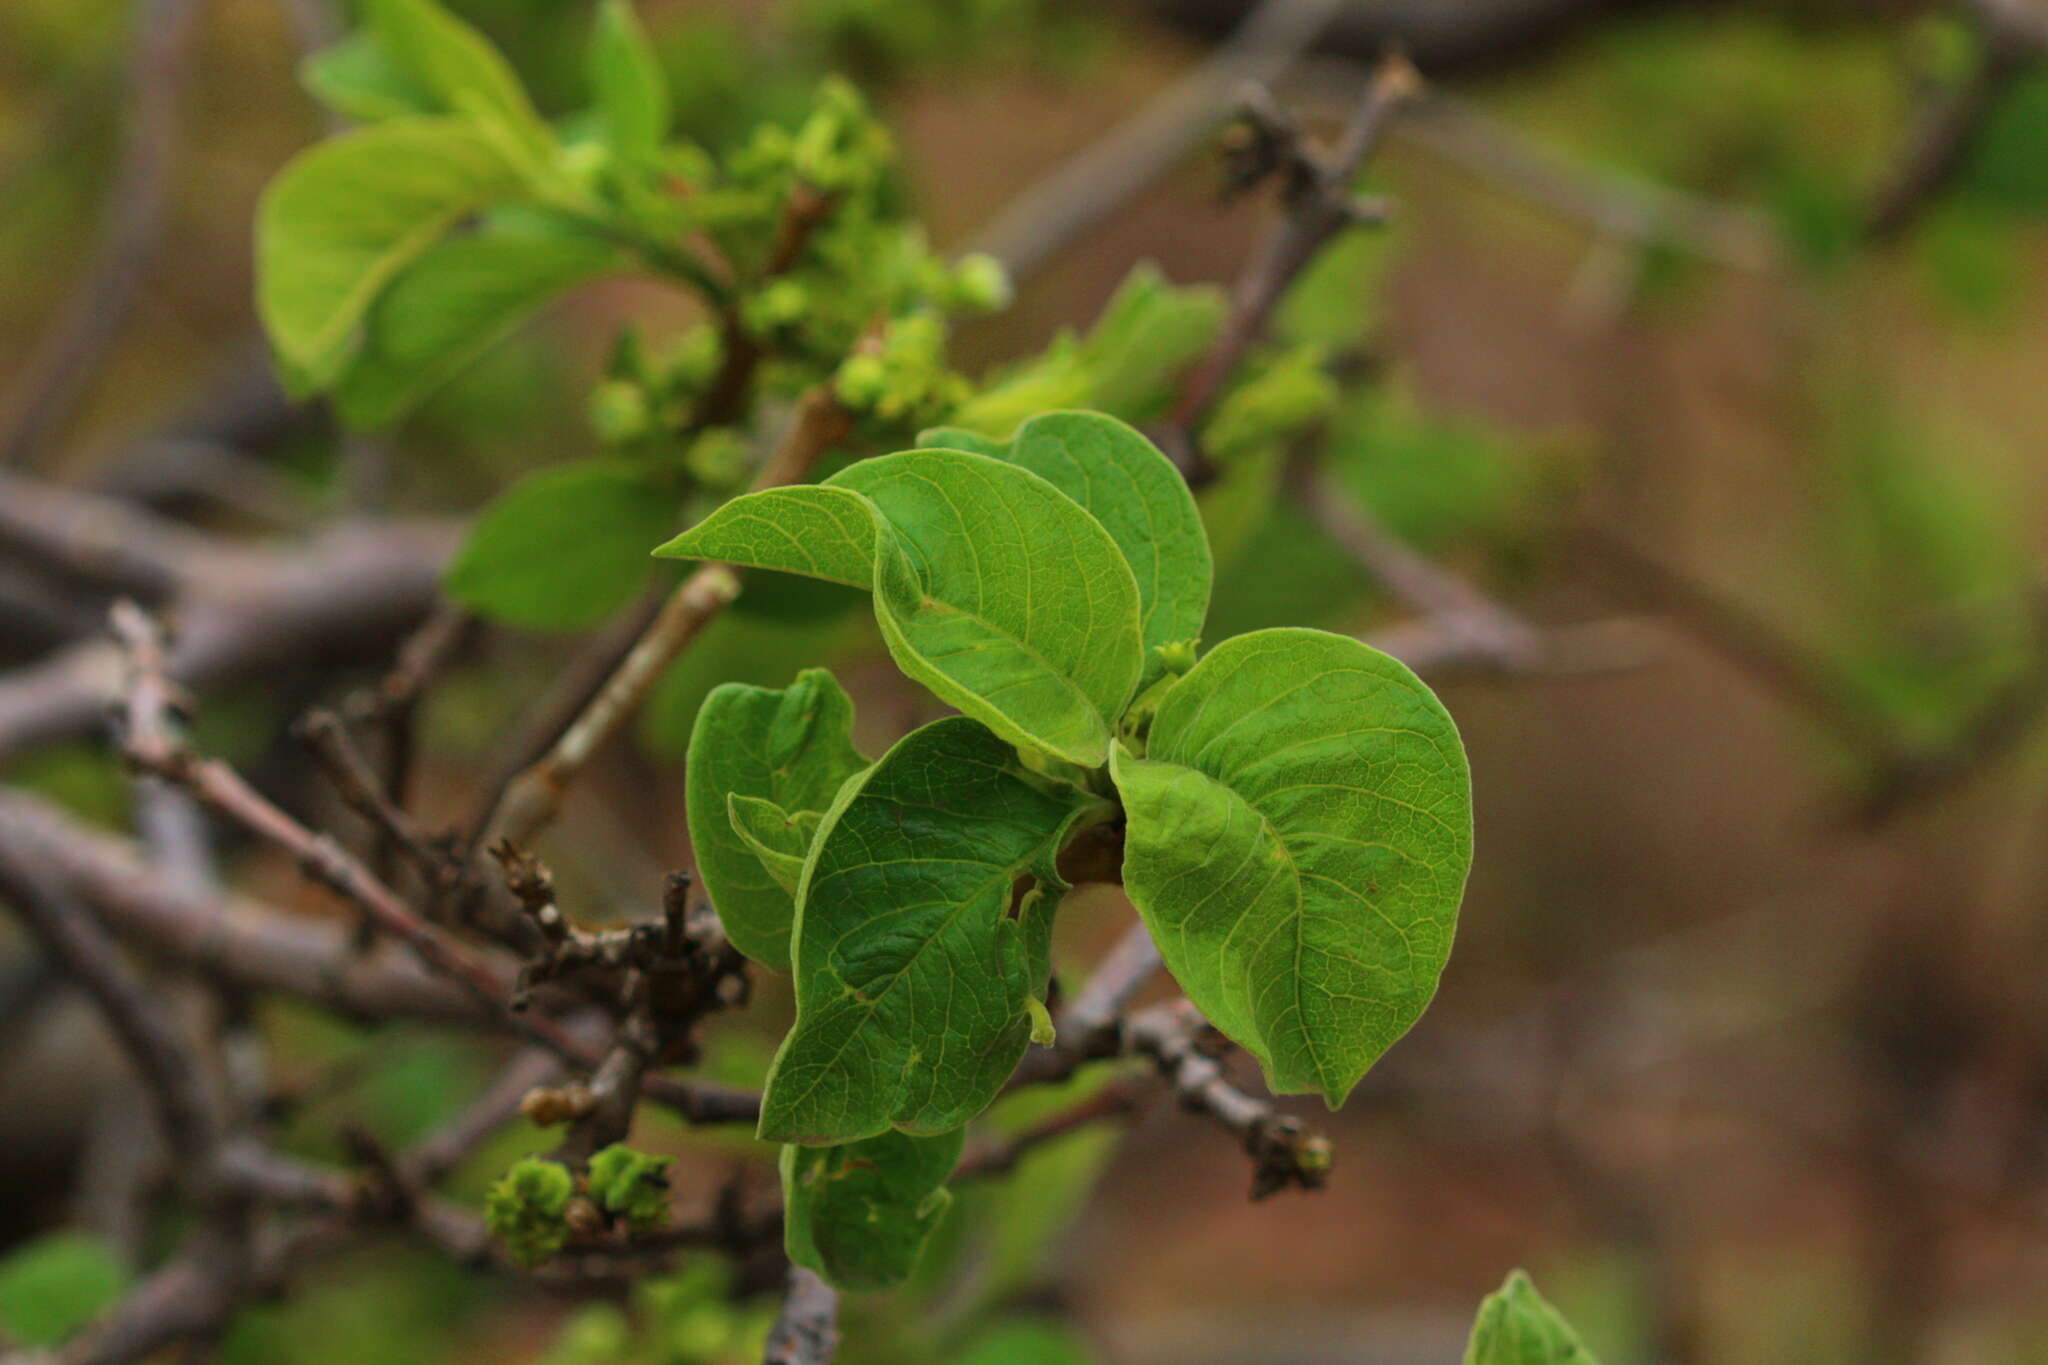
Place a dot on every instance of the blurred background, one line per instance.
(1710, 339)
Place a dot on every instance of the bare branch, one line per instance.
(1082, 190)
(170, 1073)
(1319, 205)
(807, 1332)
(244, 610)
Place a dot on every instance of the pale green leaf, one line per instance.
(458, 66)
(789, 748)
(912, 975)
(563, 548)
(779, 839)
(445, 308)
(816, 530)
(345, 216)
(1517, 1326)
(1298, 838)
(357, 78)
(1125, 483)
(632, 91)
(992, 587)
(859, 1214)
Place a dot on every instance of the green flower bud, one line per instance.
(981, 282)
(525, 1209)
(619, 412)
(631, 1186)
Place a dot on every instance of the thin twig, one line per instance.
(1035, 224)
(1462, 615)
(1939, 145)
(1319, 205)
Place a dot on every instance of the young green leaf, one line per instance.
(912, 976)
(1517, 1326)
(357, 79)
(1298, 838)
(776, 837)
(525, 1209)
(459, 67)
(790, 749)
(993, 588)
(631, 1185)
(859, 1214)
(632, 91)
(563, 548)
(1139, 497)
(445, 308)
(347, 215)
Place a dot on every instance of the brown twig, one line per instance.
(1938, 147)
(1283, 1152)
(1079, 192)
(170, 1074)
(1463, 618)
(741, 352)
(1116, 1099)
(241, 610)
(1319, 204)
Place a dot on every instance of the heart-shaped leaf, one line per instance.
(860, 1213)
(1298, 838)
(992, 587)
(1125, 483)
(789, 749)
(914, 981)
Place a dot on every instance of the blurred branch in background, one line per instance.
(40, 397)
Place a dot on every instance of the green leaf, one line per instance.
(1517, 1326)
(912, 976)
(789, 748)
(459, 67)
(449, 305)
(780, 840)
(632, 1186)
(345, 216)
(1125, 483)
(632, 91)
(1298, 838)
(992, 588)
(54, 1286)
(859, 1214)
(357, 78)
(563, 548)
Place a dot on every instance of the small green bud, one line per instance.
(980, 282)
(631, 1186)
(619, 412)
(781, 304)
(862, 380)
(1177, 656)
(525, 1209)
(718, 459)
